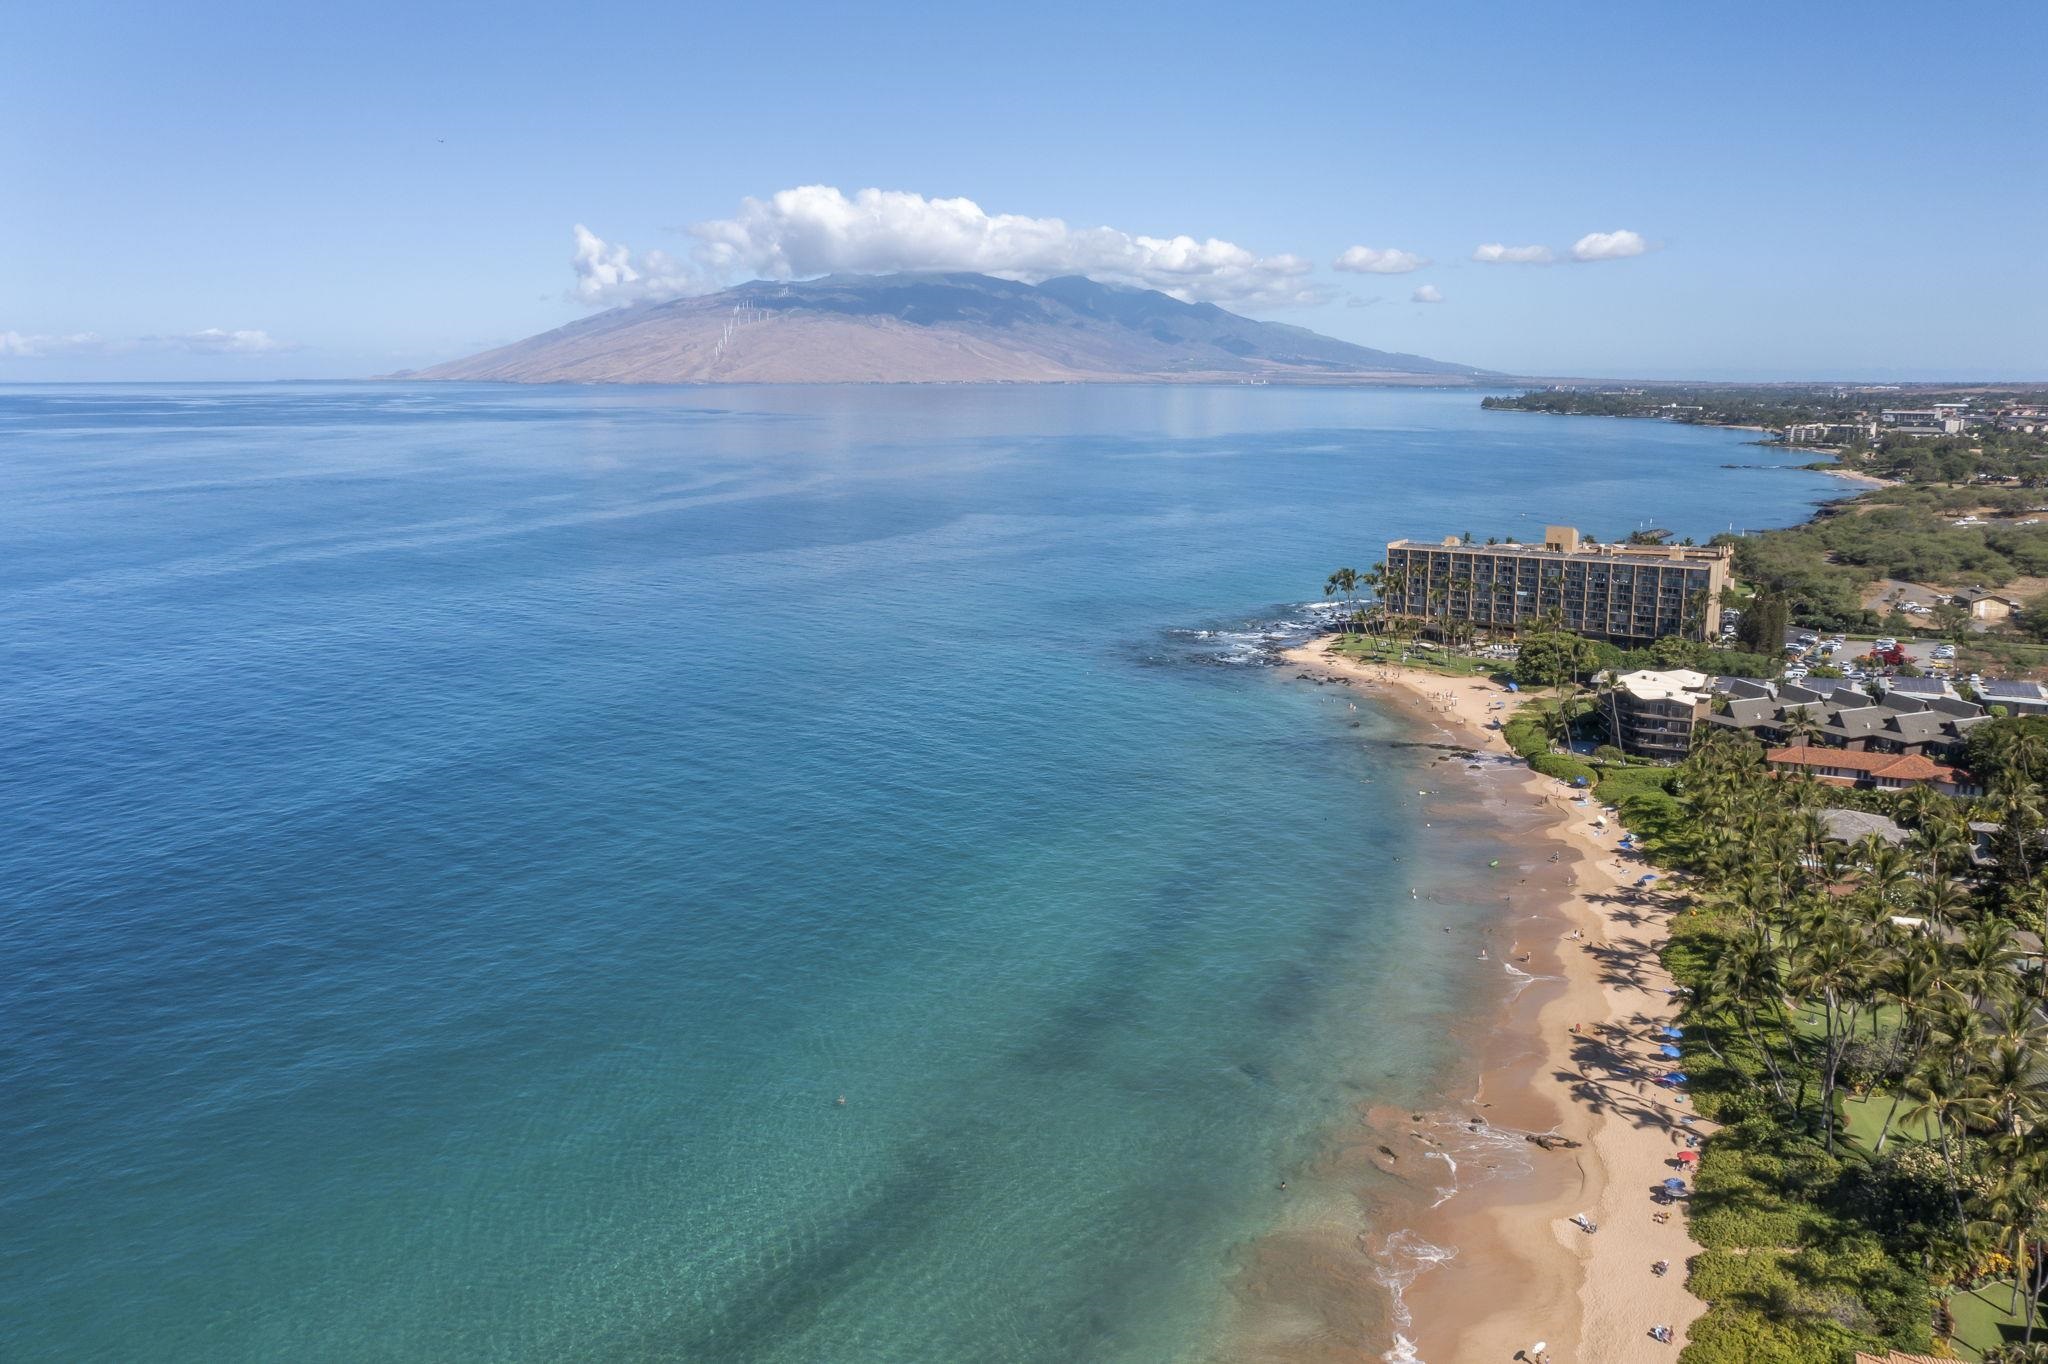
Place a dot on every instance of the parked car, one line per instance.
(1885, 644)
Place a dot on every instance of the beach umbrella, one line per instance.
(1675, 1185)
(1674, 1032)
(1647, 881)
(1669, 1050)
(1687, 1157)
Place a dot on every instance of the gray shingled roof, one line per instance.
(1922, 727)
(1862, 720)
(1847, 826)
(1745, 711)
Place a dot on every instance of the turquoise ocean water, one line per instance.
(457, 845)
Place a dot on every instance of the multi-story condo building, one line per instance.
(1630, 594)
(1653, 714)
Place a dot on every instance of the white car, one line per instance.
(1884, 644)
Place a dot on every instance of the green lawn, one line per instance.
(1370, 649)
(1980, 1313)
(1863, 1118)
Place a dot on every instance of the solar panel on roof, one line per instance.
(1917, 686)
(2030, 691)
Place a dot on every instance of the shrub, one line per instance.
(1563, 766)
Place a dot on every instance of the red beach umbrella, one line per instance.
(1687, 1157)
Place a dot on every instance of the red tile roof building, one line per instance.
(1880, 771)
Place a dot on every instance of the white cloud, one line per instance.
(606, 275)
(1609, 245)
(1494, 253)
(1428, 293)
(24, 345)
(1365, 260)
(1594, 246)
(217, 341)
(817, 230)
(209, 341)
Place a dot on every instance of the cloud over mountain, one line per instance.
(818, 230)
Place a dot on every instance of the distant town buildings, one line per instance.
(1942, 419)
(1629, 594)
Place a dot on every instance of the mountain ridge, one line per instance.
(936, 327)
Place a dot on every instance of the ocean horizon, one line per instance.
(754, 874)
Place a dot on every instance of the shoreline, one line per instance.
(1865, 480)
(1512, 1246)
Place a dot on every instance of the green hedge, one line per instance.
(1563, 766)
(1525, 733)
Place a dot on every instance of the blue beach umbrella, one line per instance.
(1669, 1050)
(1674, 1032)
(1675, 1185)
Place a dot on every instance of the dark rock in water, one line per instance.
(1388, 1153)
(1550, 1141)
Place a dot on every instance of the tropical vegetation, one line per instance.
(1866, 1020)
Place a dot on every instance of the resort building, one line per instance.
(1940, 420)
(1653, 714)
(1872, 771)
(1829, 433)
(1902, 723)
(1630, 594)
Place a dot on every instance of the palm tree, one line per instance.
(1912, 983)
(1802, 726)
(1749, 977)
(1943, 1102)
(1344, 580)
(1833, 966)
(1464, 584)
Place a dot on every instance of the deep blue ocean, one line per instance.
(459, 843)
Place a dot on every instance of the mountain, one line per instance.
(934, 328)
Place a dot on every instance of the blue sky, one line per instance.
(242, 190)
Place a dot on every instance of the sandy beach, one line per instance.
(1576, 1056)
(1865, 480)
